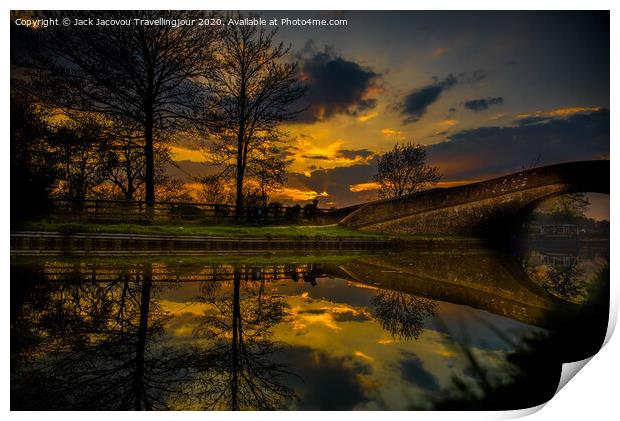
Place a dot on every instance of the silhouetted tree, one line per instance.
(569, 208)
(215, 189)
(402, 314)
(269, 172)
(403, 170)
(125, 163)
(252, 92)
(81, 146)
(34, 159)
(146, 75)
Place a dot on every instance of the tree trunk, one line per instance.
(149, 163)
(145, 300)
(240, 171)
(239, 198)
(236, 328)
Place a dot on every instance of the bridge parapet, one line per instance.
(479, 208)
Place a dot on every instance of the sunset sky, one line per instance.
(488, 92)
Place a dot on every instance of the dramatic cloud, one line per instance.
(417, 102)
(472, 77)
(397, 134)
(492, 151)
(483, 104)
(319, 157)
(335, 85)
(545, 116)
(337, 183)
(413, 371)
(340, 314)
(355, 153)
(336, 157)
(325, 382)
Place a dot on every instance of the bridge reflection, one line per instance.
(481, 280)
(202, 334)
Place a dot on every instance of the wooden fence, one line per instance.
(123, 211)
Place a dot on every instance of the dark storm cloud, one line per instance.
(335, 85)
(413, 371)
(472, 77)
(478, 335)
(491, 151)
(525, 121)
(355, 153)
(319, 157)
(483, 103)
(287, 152)
(325, 382)
(417, 102)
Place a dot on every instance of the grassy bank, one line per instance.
(294, 231)
(265, 258)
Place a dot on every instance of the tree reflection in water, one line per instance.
(565, 282)
(240, 372)
(90, 346)
(94, 337)
(402, 314)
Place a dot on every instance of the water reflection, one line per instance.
(402, 314)
(565, 250)
(371, 332)
(239, 371)
(87, 345)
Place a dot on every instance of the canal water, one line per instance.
(449, 329)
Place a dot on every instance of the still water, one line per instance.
(387, 331)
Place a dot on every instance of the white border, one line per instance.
(593, 394)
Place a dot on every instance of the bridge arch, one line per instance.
(491, 208)
(523, 213)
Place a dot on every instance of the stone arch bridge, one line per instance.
(490, 208)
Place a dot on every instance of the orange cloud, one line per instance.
(448, 123)
(393, 133)
(375, 186)
(365, 118)
(330, 156)
(180, 153)
(295, 194)
(561, 112)
(363, 187)
(363, 356)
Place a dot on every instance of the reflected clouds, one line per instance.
(235, 336)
